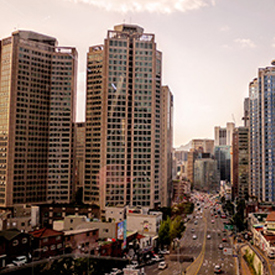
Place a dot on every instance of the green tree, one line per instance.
(176, 228)
(164, 236)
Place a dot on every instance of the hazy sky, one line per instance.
(211, 49)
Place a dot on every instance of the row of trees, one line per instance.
(238, 218)
(173, 223)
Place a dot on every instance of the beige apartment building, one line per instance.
(124, 113)
(37, 90)
(223, 135)
(80, 153)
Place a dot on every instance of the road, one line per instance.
(206, 252)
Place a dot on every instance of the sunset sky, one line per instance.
(211, 49)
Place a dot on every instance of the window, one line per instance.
(24, 240)
(45, 240)
(15, 242)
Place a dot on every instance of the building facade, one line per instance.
(262, 148)
(206, 174)
(240, 163)
(204, 145)
(223, 136)
(166, 146)
(222, 154)
(80, 154)
(37, 83)
(123, 159)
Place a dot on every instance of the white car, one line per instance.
(20, 260)
(162, 265)
(208, 237)
(195, 237)
(115, 271)
(165, 252)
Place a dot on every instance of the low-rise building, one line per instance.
(81, 240)
(115, 214)
(46, 242)
(14, 243)
(53, 212)
(144, 223)
(106, 229)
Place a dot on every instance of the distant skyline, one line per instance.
(211, 49)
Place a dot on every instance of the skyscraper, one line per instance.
(37, 89)
(166, 159)
(223, 136)
(124, 108)
(262, 131)
(240, 163)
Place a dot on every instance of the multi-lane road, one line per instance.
(208, 228)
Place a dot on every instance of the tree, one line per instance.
(176, 228)
(164, 236)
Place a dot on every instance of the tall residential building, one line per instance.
(240, 163)
(37, 90)
(125, 105)
(79, 154)
(262, 131)
(255, 162)
(166, 145)
(223, 136)
(245, 117)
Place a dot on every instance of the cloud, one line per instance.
(245, 43)
(161, 6)
(225, 28)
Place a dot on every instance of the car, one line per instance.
(208, 237)
(20, 260)
(194, 237)
(134, 264)
(224, 239)
(164, 252)
(162, 265)
(192, 230)
(156, 258)
(195, 222)
(221, 246)
(212, 221)
(116, 271)
(271, 254)
(217, 269)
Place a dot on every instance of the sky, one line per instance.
(211, 49)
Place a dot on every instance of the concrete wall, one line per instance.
(257, 262)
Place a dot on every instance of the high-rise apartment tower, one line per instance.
(37, 89)
(262, 134)
(124, 127)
